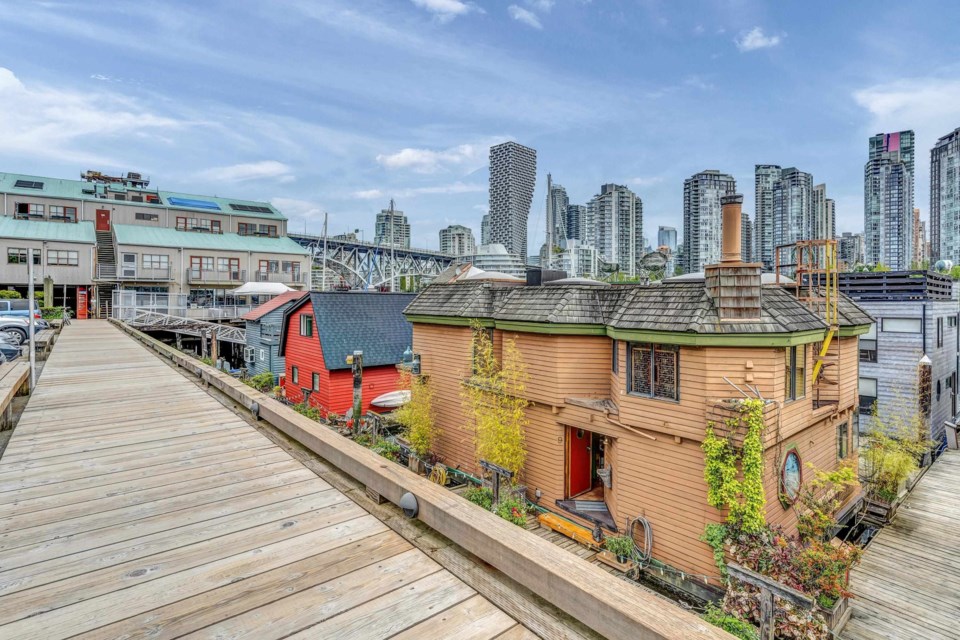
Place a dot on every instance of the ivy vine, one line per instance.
(734, 476)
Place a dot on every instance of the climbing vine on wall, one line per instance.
(735, 476)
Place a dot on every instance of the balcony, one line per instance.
(285, 277)
(132, 274)
(212, 276)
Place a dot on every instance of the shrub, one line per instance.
(261, 381)
(620, 546)
(9, 294)
(387, 448)
(731, 624)
(278, 391)
(307, 411)
(480, 496)
(513, 510)
(417, 415)
(51, 313)
(207, 361)
(364, 440)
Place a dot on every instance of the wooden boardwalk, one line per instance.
(133, 504)
(908, 584)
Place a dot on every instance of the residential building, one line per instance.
(578, 260)
(701, 217)
(824, 221)
(919, 240)
(457, 240)
(513, 177)
(496, 258)
(667, 237)
(392, 228)
(746, 239)
(945, 198)
(557, 204)
(322, 329)
(485, 229)
(850, 250)
(916, 316)
(576, 213)
(792, 209)
(888, 200)
(765, 176)
(104, 233)
(263, 327)
(624, 380)
(615, 227)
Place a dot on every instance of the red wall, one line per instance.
(336, 387)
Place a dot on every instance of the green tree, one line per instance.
(416, 416)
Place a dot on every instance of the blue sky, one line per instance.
(338, 105)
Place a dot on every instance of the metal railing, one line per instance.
(219, 312)
(215, 275)
(119, 272)
(286, 277)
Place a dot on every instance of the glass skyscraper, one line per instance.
(888, 200)
(945, 198)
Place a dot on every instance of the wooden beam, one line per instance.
(586, 592)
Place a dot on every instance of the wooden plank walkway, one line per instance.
(908, 584)
(134, 504)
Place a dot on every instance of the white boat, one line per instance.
(391, 400)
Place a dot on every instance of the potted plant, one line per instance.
(416, 416)
(620, 546)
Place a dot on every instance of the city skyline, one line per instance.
(317, 141)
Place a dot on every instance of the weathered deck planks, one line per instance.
(133, 503)
(906, 585)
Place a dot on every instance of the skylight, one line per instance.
(250, 207)
(28, 184)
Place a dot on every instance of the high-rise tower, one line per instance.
(945, 198)
(765, 176)
(702, 217)
(615, 226)
(513, 176)
(888, 200)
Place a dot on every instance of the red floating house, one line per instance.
(322, 329)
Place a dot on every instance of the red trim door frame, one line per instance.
(578, 461)
(103, 220)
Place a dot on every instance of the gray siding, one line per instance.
(898, 355)
(266, 357)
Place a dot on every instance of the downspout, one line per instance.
(924, 325)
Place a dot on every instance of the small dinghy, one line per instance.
(391, 400)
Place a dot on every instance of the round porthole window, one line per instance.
(791, 477)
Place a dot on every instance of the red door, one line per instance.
(578, 443)
(103, 220)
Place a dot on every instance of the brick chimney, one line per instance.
(734, 285)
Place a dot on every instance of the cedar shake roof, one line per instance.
(272, 304)
(348, 321)
(675, 307)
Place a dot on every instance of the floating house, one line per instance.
(624, 380)
(320, 330)
(262, 351)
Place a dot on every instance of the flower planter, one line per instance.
(836, 616)
(611, 560)
(415, 464)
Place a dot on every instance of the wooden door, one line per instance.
(578, 457)
(103, 220)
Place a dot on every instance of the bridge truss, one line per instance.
(153, 321)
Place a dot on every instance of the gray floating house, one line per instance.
(264, 323)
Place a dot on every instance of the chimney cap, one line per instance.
(733, 198)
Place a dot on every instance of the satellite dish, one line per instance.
(943, 265)
(654, 260)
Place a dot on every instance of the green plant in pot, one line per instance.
(620, 546)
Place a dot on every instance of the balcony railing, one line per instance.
(220, 312)
(214, 275)
(117, 272)
(52, 217)
(286, 277)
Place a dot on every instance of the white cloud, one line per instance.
(294, 208)
(446, 10)
(755, 39)
(444, 189)
(699, 30)
(541, 5)
(70, 126)
(466, 156)
(906, 103)
(525, 16)
(368, 194)
(266, 169)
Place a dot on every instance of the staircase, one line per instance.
(106, 271)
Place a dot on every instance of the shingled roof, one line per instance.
(272, 304)
(676, 307)
(351, 321)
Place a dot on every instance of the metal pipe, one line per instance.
(32, 322)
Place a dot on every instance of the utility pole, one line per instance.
(393, 244)
(549, 223)
(32, 323)
(323, 268)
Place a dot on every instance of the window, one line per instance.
(251, 229)
(150, 217)
(306, 324)
(294, 375)
(248, 354)
(938, 391)
(868, 345)
(229, 264)
(291, 268)
(843, 435)
(19, 256)
(795, 369)
(201, 263)
(855, 424)
(791, 477)
(868, 394)
(939, 332)
(63, 258)
(615, 357)
(156, 261)
(653, 371)
(198, 224)
(901, 325)
(26, 210)
(263, 355)
(951, 321)
(64, 214)
(315, 382)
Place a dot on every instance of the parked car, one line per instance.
(18, 308)
(15, 328)
(9, 351)
(39, 323)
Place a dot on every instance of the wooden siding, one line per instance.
(898, 355)
(661, 478)
(272, 361)
(336, 387)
